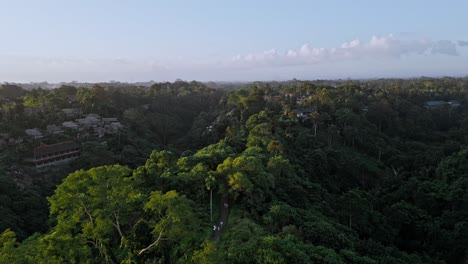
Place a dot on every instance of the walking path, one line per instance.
(223, 216)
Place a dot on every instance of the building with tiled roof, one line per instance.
(46, 155)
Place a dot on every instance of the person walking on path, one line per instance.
(224, 211)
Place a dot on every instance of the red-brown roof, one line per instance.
(44, 149)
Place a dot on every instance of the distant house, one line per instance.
(70, 124)
(109, 120)
(34, 133)
(437, 104)
(90, 120)
(304, 112)
(115, 126)
(454, 103)
(81, 121)
(46, 155)
(95, 124)
(99, 131)
(54, 130)
(434, 104)
(92, 115)
(71, 111)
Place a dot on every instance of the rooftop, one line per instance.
(436, 103)
(44, 149)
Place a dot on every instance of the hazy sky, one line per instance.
(139, 40)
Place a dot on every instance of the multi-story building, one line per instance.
(46, 155)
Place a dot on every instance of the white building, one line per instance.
(70, 124)
(34, 133)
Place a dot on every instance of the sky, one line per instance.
(238, 40)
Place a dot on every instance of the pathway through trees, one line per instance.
(224, 210)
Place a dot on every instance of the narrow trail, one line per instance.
(223, 217)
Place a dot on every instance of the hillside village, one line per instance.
(98, 115)
(64, 125)
(91, 124)
(80, 130)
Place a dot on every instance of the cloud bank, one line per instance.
(389, 46)
(462, 43)
(376, 57)
(23, 68)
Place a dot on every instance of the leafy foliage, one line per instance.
(371, 175)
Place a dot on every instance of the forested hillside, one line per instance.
(280, 172)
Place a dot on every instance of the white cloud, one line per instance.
(347, 59)
(389, 46)
(351, 44)
(462, 43)
(445, 47)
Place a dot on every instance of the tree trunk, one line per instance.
(211, 205)
(117, 225)
(152, 244)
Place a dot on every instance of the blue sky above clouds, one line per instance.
(243, 40)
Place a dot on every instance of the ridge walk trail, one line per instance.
(224, 210)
